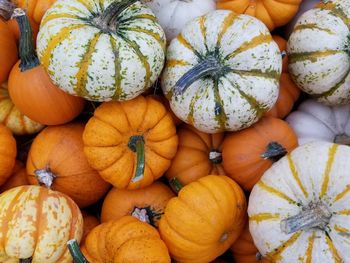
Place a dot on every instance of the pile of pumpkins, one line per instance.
(174, 131)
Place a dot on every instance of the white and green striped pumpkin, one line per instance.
(101, 49)
(318, 52)
(300, 209)
(222, 72)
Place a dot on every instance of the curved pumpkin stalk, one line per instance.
(137, 144)
(175, 184)
(274, 151)
(75, 251)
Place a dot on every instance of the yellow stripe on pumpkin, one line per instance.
(342, 193)
(275, 255)
(228, 21)
(331, 153)
(185, 43)
(87, 4)
(161, 41)
(335, 11)
(312, 56)
(56, 16)
(117, 66)
(203, 29)
(344, 212)
(296, 175)
(310, 247)
(276, 192)
(312, 26)
(342, 230)
(264, 216)
(333, 250)
(171, 63)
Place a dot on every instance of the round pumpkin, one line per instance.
(247, 154)
(17, 178)
(35, 8)
(130, 143)
(204, 220)
(8, 153)
(12, 118)
(146, 204)
(90, 222)
(222, 72)
(300, 207)
(198, 155)
(56, 159)
(318, 52)
(110, 50)
(36, 224)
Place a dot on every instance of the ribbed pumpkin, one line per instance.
(318, 51)
(222, 72)
(204, 220)
(198, 155)
(109, 50)
(90, 222)
(273, 13)
(12, 118)
(36, 224)
(8, 153)
(17, 178)
(34, 8)
(146, 204)
(247, 154)
(56, 159)
(299, 210)
(130, 143)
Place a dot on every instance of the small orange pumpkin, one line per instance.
(35, 8)
(17, 178)
(146, 204)
(247, 154)
(8, 153)
(8, 51)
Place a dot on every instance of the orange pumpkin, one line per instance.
(8, 153)
(146, 204)
(198, 155)
(8, 51)
(166, 103)
(35, 8)
(130, 143)
(247, 154)
(90, 222)
(17, 178)
(56, 159)
(13, 26)
(31, 88)
(289, 92)
(273, 13)
(204, 220)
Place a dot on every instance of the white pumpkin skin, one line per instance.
(174, 14)
(318, 52)
(316, 172)
(101, 63)
(315, 121)
(244, 81)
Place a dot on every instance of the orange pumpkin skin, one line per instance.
(115, 126)
(13, 26)
(35, 8)
(90, 222)
(59, 150)
(166, 103)
(8, 51)
(8, 153)
(198, 155)
(204, 220)
(150, 200)
(247, 154)
(17, 178)
(125, 240)
(272, 13)
(289, 92)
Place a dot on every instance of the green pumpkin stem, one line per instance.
(6, 9)
(75, 251)
(137, 144)
(27, 53)
(342, 139)
(274, 152)
(175, 184)
(25, 260)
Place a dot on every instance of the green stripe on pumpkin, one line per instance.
(335, 11)
(268, 74)
(226, 24)
(219, 111)
(312, 26)
(161, 41)
(311, 56)
(117, 66)
(142, 16)
(87, 4)
(201, 92)
(187, 44)
(101, 3)
(203, 29)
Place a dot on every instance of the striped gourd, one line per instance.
(318, 50)
(222, 72)
(299, 211)
(101, 49)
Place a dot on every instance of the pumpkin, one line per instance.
(8, 153)
(31, 89)
(34, 8)
(56, 159)
(247, 154)
(198, 155)
(130, 143)
(12, 118)
(204, 220)
(17, 178)
(273, 13)
(110, 50)
(165, 102)
(299, 209)
(90, 222)
(318, 52)
(222, 72)
(314, 121)
(125, 240)
(146, 204)
(36, 224)
(173, 15)
(289, 92)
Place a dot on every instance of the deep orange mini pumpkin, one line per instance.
(8, 51)
(130, 143)
(8, 153)
(35, 8)
(17, 178)
(247, 154)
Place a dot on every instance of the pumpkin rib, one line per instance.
(117, 67)
(106, 121)
(38, 225)
(55, 16)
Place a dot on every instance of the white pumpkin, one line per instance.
(174, 14)
(101, 50)
(222, 72)
(300, 209)
(314, 121)
(318, 52)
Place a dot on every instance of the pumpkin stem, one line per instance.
(342, 139)
(75, 251)
(175, 184)
(314, 215)
(6, 9)
(137, 144)
(274, 151)
(146, 214)
(25, 260)
(208, 67)
(27, 53)
(215, 156)
(45, 176)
